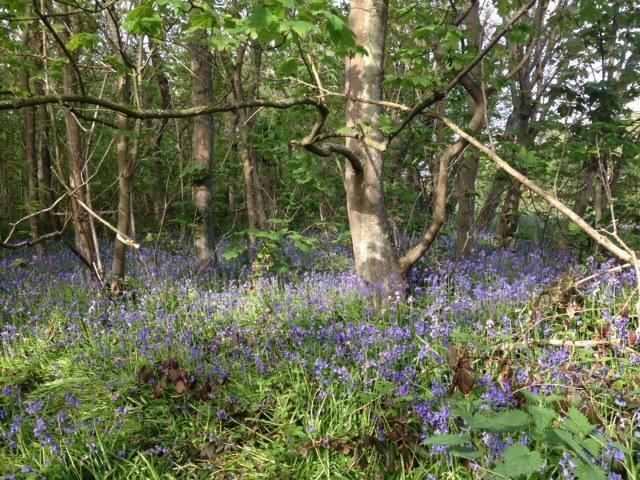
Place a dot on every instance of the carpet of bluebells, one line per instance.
(239, 373)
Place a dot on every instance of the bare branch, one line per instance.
(30, 243)
(62, 46)
(124, 238)
(22, 102)
(442, 93)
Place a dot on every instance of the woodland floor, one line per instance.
(233, 374)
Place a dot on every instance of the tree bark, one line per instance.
(518, 131)
(202, 94)
(166, 102)
(30, 154)
(509, 217)
(245, 121)
(466, 180)
(466, 190)
(78, 169)
(374, 253)
(125, 168)
(492, 201)
(584, 193)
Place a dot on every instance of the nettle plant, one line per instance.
(541, 442)
(275, 250)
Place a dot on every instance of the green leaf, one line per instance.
(465, 452)
(509, 421)
(83, 40)
(200, 21)
(542, 416)
(562, 437)
(345, 131)
(288, 67)
(298, 26)
(592, 446)
(275, 236)
(577, 423)
(425, 32)
(143, 20)
(588, 471)
(260, 17)
(447, 439)
(519, 461)
(386, 124)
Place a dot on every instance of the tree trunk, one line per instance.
(78, 169)
(374, 253)
(44, 167)
(125, 174)
(518, 130)
(468, 171)
(30, 155)
(584, 193)
(166, 102)
(201, 94)
(245, 121)
(492, 201)
(45, 178)
(125, 169)
(599, 203)
(508, 224)
(466, 190)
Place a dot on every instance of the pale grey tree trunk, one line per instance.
(125, 166)
(166, 103)
(201, 94)
(374, 253)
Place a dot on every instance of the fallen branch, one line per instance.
(554, 202)
(556, 342)
(582, 281)
(119, 235)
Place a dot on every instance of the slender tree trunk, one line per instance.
(466, 180)
(78, 169)
(201, 94)
(466, 190)
(254, 85)
(45, 178)
(374, 253)
(165, 94)
(44, 166)
(509, 216)
(247, 176)
(599, 203)
(31, 157)
(518, 130)
(585, 192)
(125, 169)
(125, 175)
(492, 201)
(245, 121)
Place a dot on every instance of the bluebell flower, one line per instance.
(34, 407)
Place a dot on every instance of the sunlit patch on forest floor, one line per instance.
(495, 367)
